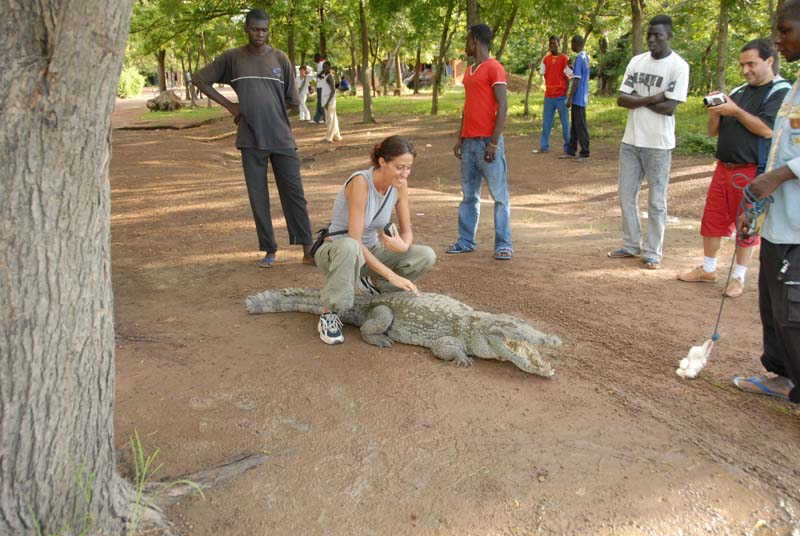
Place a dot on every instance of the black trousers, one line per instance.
(779, 305)
(286, 168)
(578, 131)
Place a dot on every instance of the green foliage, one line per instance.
(130, 83)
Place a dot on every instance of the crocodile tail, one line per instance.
(301, 300)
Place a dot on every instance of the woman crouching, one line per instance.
(363, 255)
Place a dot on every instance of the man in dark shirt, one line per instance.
(744, 126)
(263, 79)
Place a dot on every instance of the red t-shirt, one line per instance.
(480, 104)
(555, 80)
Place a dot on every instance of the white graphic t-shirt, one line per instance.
(646, 76)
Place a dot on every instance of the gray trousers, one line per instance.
(286, 168)
(343, 263)
(636, 163)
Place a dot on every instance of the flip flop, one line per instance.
(267, 261)
(620, 254)
(504, 254)
(762, 389)
(652, 264)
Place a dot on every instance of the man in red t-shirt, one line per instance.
(480, 147)
(555, 68)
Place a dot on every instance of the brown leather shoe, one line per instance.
(735, 288)
(698, 275)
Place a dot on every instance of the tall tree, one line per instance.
(722, 44)
(637, 26)
(365, 79)
(444, 44)
(473, 13)
(57, 461)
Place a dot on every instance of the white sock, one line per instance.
(738, 272)
(709, 264)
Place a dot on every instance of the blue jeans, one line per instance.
(551, 104)
(636, 163)
(474, 169)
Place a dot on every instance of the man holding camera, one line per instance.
(743, 123)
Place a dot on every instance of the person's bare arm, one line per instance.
(633, 101)
(356, 193)
(401, 242)
(751, 122)
(216, 96)
(499, 122)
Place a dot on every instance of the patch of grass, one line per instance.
(200, 113)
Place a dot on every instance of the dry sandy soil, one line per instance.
(362, 440)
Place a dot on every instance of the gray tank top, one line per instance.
(373, 221)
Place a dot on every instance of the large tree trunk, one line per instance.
(443, 44)
(417, 69)
(205, 58)
(59, 80)
(722, 44)
(637, 26)
(353, 70)
(365, 80)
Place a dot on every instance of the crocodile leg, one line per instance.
(373, 330)
(451, 349)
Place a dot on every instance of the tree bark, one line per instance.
(417, 69)
(637, 26)
(722, 44)
(323, 43)
(205, 59)
(291, 47)
(443, 43)
(56, 325)
(507, 31)
(365, 79)
(473, 13)
(161, 58)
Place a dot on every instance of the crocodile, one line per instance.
(452, 330)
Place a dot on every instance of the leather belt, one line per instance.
(728, 165)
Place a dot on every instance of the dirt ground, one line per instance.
(362, 440)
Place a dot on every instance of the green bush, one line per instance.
(130, 83)
(696, 144)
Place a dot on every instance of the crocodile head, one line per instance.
(511, 339)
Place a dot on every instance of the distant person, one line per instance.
(743, 123)
(303, 85)
(344, 85)
(263, 79)
(328, 96)
(480, 147)
(319, 115)
(554, 68)
(577, 101)
(359, 254)
(779, 259)
(655, 83)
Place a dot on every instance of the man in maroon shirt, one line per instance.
(263, 79)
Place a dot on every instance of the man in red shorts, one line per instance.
(744, 126)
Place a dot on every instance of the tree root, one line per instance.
(153, 521)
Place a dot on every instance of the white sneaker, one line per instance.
(330, 328)
(366, 286)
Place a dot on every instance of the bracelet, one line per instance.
(493, 145)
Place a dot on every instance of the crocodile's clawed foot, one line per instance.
(380, 340)
(463, 361)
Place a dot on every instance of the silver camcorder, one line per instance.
(714, 100)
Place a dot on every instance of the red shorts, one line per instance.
(723, 199)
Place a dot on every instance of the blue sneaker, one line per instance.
(456, 248)
(330, 328)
